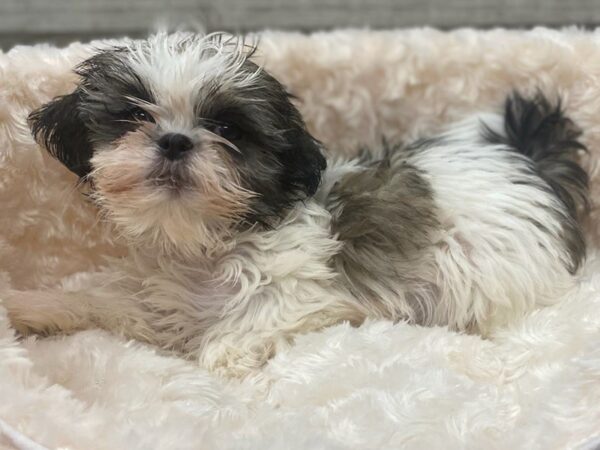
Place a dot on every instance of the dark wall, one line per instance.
(61, 21)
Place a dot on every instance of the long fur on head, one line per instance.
(250, 156)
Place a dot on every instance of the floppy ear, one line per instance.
(59, 128)
(303, 162)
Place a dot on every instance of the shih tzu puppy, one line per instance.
(241, 237)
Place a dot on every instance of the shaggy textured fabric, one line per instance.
(533, 385)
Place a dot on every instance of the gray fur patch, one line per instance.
(385, 215)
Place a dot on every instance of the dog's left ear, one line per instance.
(58, 127)
(303, 162)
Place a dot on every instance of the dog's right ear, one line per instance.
(58, 126)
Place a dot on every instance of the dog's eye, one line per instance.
(226, 130)
(141, 116)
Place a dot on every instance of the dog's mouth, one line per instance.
(173, 175)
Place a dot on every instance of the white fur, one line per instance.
(491, 256)
(390, 386)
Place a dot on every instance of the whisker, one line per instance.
(221, 140)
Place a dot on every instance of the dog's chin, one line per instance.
(171, 214)
(168, 218)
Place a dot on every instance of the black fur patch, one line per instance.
(548, 138)
(280, 160)
(108, 85)
(59, 127)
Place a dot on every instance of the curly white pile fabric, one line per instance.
(533, 385)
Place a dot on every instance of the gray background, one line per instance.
(61, 21)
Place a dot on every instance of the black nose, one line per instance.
(174, 145)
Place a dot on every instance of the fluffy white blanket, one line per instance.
(534, 385)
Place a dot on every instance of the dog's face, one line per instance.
(184, 140)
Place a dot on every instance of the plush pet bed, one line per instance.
(383, 385)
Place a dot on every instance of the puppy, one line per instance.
(240, 238)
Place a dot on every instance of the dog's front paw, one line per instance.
(231, 361)
(39, 312)
(21, 311)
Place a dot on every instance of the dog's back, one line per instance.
(491, 232)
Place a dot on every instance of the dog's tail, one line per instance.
(541, 131)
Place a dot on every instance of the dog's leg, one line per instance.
(46, 312)
(55, 311)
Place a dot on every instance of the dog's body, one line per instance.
(237, 244)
